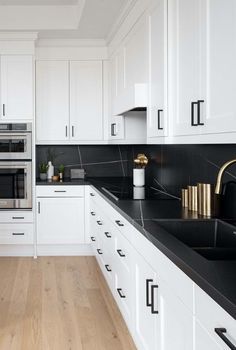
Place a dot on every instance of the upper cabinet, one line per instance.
(157, 114)
(69, 101)
(218, 54)
(202, 72)
(16, 87)
(86, 100)
(52, 100)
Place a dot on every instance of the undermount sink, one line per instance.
(212, 239)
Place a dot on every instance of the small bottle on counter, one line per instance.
(50, 170)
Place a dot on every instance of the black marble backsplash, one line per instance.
(97, 160)
(170, 168)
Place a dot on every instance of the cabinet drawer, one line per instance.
(16, 234)
(124, 295)
(16, 216)
(60, 191)
(213, 318)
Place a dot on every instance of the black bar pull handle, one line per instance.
(93, 239)
(3, 110)
(108, 268)
(119, 290)
(18, 233)
(107, 234)
(92, 213)
(99, 223)
(199, 112)
(221, 333)
(18, 217)
(119, 251)
(159, 119)
(153, 311)
(92, 194)
(148, 301)
(39, 208)
(113, 133)
(119, 223)
(99, 251)
(193, 104)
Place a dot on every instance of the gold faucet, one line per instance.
(220, 175)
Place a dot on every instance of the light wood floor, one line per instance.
(58, 303)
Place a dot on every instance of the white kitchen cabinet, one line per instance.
(212, 324)
(184, 60)
(69, 101)
(202, 72)
(203, 340)
(162, 321)
(157, 114)
(16, 90)
(52, 100)
(218, 75)
(60, 220)
(146, 321)
(86, 100)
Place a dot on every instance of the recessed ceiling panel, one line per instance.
(37, 2)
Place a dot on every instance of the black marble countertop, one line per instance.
(65, 182)
(217, 278)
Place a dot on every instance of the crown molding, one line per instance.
(67, 42)
(121, 18)
(18, 36)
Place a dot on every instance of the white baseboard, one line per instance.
(64, 250)
(16, 250)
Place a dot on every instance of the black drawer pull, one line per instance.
(119, 223)
(107, 234)
(93, 239)
(99, 251)
(153, 311)
(108, 268)
(159, 119)
(92, 213)
(99, 223)
(18, 234)
(193, 104)
(119, 251)
(92, 194)
(18, 217)
(221, 333)
(119, 290)
(57, 191)
(148, 302)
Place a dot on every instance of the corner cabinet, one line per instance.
(69, 101)
(16, 87)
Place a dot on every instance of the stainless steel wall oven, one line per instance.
(15, 166)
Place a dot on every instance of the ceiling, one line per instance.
(62, 19)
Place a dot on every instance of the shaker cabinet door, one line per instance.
(86, 100)
(60, 221)
(17, 87)
(52, 100)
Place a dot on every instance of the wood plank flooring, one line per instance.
(58, 303)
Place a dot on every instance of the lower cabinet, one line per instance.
(60, 221)
(162, 321)
(162, 307)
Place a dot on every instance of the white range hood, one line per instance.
(133, 98)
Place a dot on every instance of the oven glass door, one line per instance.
(15, 146)
(15, 185)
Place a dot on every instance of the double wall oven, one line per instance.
(16, 166)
